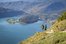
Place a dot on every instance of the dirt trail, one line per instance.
(50, 31)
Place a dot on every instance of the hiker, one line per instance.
(44, 27)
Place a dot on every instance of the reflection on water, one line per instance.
(14, 33)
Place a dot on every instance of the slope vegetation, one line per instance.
(56, 34)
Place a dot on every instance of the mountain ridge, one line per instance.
(10, 13)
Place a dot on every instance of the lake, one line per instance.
(14, 33)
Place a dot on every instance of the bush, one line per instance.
(62, 17)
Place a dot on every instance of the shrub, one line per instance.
(62, 17)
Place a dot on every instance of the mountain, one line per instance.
(17, 5)
(10, 13)
(55, 7)
(56, 34)
(38, 7)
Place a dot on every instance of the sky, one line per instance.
(14, 0)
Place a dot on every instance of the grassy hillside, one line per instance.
(56, 34)
(62, 17)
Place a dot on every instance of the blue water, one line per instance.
(14, 33)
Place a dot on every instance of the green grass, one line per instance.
(55, 38)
